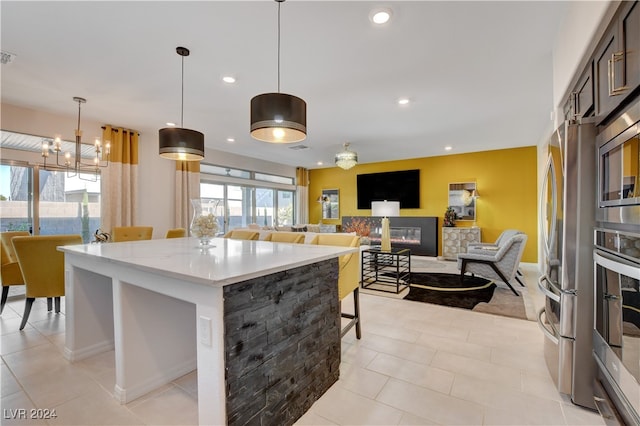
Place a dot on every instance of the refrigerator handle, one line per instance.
(549, 183)
(545, 330)
(548, 293)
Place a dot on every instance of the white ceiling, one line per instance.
(478, 74)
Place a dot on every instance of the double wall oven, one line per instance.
(616, 269)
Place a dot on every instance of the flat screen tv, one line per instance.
(403, 186)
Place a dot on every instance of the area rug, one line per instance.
(475, 293)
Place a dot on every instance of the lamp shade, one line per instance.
(278, 118)
(177, 143)
(385, 208)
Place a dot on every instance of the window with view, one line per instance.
(48, 202)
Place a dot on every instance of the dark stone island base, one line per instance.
(282, 343)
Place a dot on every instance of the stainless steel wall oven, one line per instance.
(616, 269)
(616, 337)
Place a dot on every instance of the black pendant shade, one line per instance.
(278, 118)
(177, 143)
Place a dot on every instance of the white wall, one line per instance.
(582, 28)
(157, 175)
(571, 51)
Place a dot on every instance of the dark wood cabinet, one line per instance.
(616, 61)
(580, 102)
(630, 26)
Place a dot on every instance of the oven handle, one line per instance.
(548, 293)
(617, 264)
(545, 330)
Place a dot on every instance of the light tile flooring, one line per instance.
(416, 364)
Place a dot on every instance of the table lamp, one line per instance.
(385, 209)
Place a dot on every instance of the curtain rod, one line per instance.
(117, 129)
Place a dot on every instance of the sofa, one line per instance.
(308, 235)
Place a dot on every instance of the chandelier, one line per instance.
(74, 165)
(278, 117)
(346, 159)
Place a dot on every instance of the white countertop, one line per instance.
(230, 261)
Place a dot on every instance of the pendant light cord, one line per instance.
(279, 2)
(79, 103)
(182, 97)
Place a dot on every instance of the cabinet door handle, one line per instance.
(575, 114)
(613, 90)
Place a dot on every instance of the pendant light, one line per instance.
(178, 143)
(346, 159)
(278, 117)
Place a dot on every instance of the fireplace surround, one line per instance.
(419, 234)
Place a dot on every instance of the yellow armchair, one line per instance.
(10, 273)
(131, 233)
(42, 267)
(176, 233)
(285, 237)
(241, 234)
(349, 274)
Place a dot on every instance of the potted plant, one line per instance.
(450, 217)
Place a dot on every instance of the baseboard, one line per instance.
(124, 396)
(89, 351)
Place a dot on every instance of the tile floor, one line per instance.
(417, 364)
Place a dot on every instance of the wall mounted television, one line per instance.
(403, 186)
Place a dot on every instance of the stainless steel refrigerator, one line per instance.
(567, 216)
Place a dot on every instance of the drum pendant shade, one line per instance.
(278, 118)
(177, 143)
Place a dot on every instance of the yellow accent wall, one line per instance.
(506, 181)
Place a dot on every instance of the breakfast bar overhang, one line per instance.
(259, 320)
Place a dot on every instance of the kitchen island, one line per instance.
(259, 320)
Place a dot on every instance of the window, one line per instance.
(48, 202)
(16, 213)
(68, 205)
(264, 206)
(285, 208)
(241, 204)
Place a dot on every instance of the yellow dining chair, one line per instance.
(285, 237)
(10, 273)
(348, 277)
(176, 233)
(42, 267)
(131, 233)
(240, 234)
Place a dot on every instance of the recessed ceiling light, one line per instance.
(228, 79)
(403, 101)
(231, 140)
(448, 148)
(380, 16)
(170, 124)
(319, 163)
